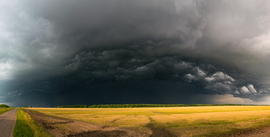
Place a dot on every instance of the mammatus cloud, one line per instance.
(53, 50)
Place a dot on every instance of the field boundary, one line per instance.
(26, 126)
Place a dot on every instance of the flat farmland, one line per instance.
(3, 110)
(172, 121)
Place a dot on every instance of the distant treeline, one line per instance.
(146, 105)
(4, 106)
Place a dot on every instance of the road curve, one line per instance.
(7, 123)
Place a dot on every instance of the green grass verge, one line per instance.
(27, 127)
(3, 110)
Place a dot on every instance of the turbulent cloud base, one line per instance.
(90, 52)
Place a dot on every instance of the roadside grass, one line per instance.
(182, 121)
(3, 110)
(27, 127)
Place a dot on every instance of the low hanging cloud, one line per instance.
(245, 90)
(252, 89)
(219, 76)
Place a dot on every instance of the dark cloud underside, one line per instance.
(91, 52)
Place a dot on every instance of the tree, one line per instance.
(4, 106)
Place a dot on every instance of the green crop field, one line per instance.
(181, 121)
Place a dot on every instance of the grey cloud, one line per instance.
(124, 64)
(218, 47)
(219, 87)
(221, 83)
(237, 92)
(264, 90)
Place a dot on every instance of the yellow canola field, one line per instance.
(182, 121)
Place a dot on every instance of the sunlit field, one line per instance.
(27, 127)
(181, 121)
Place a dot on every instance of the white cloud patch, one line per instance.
(245, 90)
(142, 68)
(220, 82)
(252, 89)
(190, 77)
(200, 73)
(219, 76)
(5, 71)
(183, 65)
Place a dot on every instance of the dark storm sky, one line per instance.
(134, 51)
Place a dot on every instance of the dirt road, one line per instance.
(7, 123)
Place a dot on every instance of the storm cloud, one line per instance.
(124, 51)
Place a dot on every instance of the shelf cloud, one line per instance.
(124, 51)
